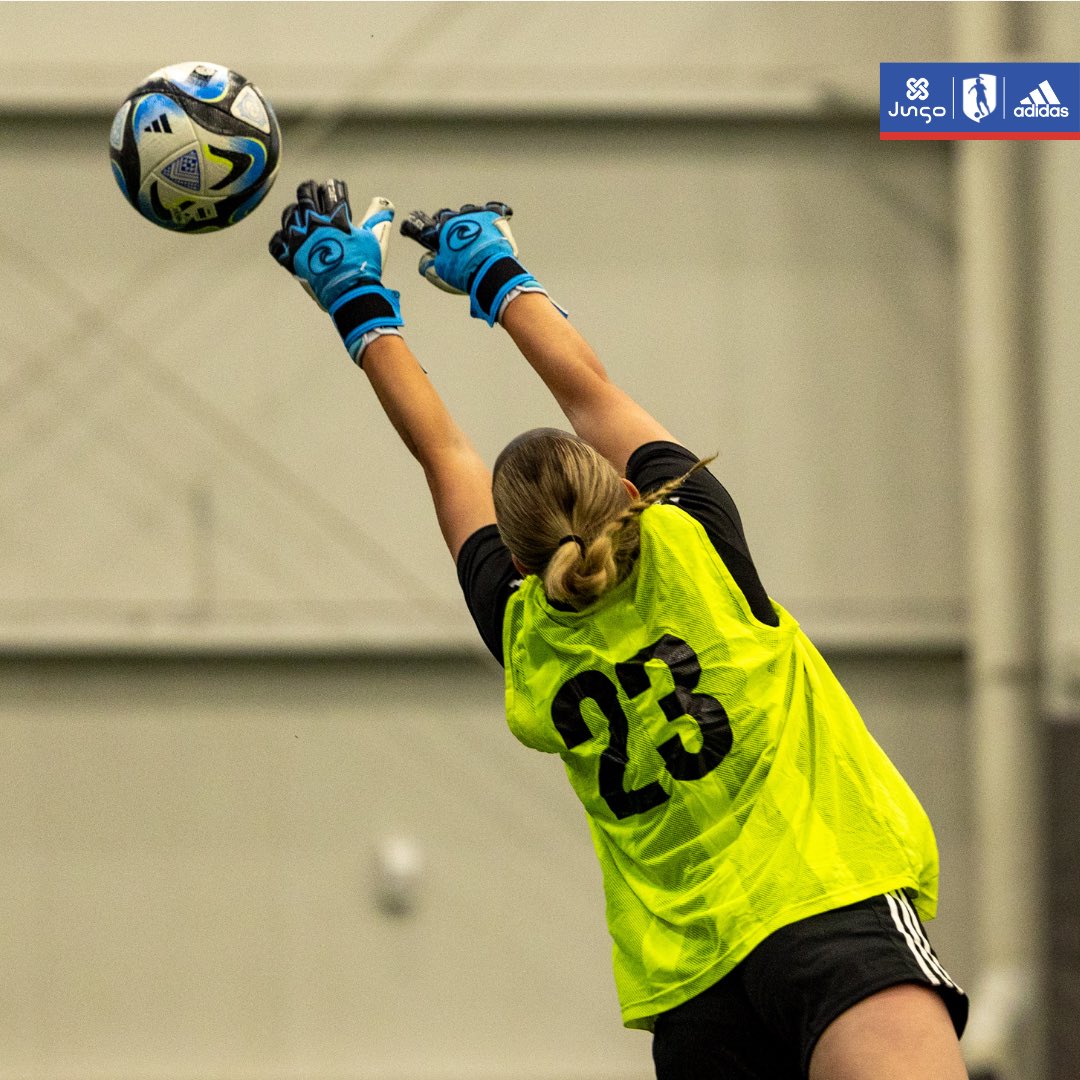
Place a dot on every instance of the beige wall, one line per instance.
(440, 57)
(195, 460)
(189, 466)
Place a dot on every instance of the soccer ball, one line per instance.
(195, 147)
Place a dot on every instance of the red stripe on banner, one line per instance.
(980, 134)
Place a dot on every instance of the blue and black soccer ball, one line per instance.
(195, 147)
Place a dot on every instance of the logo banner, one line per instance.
(980, 101)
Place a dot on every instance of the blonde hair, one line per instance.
(564, 512)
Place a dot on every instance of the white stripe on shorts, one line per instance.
(908, 911)
(922, 953)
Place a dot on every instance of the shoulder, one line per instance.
(704, 498)
(655, 463)
(488, 579)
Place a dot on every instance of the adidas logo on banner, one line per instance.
(160, 124)
(1042, 101)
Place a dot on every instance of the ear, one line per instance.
(631, 488)
(519, 566)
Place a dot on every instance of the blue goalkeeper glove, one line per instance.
(471, 252)
(340, 264)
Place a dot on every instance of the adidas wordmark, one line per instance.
(1042, 101)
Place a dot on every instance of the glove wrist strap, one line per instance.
(360, 310)
(491, 284)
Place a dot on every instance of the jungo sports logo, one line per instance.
(918, 89)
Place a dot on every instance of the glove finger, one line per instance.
(504, 227)
(279, 248)
(332, 195)
(422, 228)
(379, 217)
(287, 213)
(307, 196)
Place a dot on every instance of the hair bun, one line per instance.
(572, 538)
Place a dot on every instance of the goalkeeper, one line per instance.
(764, 863)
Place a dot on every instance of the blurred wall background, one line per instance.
(236, 675)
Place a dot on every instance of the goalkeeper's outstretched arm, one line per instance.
(340, 263)
(600, 412)
(469, 251)
(472, 251)
(458, 479)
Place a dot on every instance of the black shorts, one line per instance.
(762, 1021)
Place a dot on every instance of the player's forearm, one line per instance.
(458, 479)
(599, 411)
(460, 486)
(409, 400)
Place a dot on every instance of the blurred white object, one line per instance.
(399, 870)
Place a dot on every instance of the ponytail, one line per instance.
(613, 553)
(563, 510)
